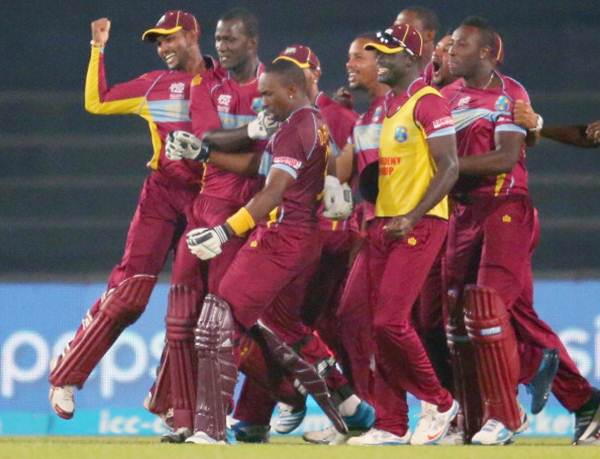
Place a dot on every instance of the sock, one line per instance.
(348, 407)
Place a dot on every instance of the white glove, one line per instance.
(337, 199)
(262, 127)
(182, 144)
(205, 243)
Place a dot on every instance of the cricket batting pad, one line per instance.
(217, 370)
(488, 325)
(306, 375)
(121, 307)
(160, 392)
(464, 371)
(182, 316)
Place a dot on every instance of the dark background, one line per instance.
(69, 181)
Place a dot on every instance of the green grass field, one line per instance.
(280, 448)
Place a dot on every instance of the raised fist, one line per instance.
(100, 31)
(524, 115)
(593, 131)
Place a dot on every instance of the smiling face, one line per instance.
(175, 49)
(391, 68)
(361, 65)
(234, 47)
(439, 60)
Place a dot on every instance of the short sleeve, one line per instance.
(202, 108)
(432, 112)
(505, 121)
(288, 152)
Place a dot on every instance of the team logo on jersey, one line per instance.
(176, 90)
(377, 115)
(223, 102)
(257, 104)
(502, 104)
(464, 101)
(401, 134)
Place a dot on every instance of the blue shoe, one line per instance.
(363, 419)
(541, 384)
(289, 418)
(250, 433)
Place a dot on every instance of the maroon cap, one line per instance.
(302, 56)
(397, 39)
(171, 22)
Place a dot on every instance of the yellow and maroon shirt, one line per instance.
(161, 97)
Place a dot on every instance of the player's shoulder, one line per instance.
(154, 74)
(514, 88)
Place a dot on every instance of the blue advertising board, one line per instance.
(38, 319)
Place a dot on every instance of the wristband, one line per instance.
(241, 222)
(96, 45)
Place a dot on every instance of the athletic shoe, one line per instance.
(176, 436)
(377, 437)
(289, 418)
(493, 432)
(361, 421)
(454, 436)
(327, 436)
(62, 400)
(201, 438)
(587, 422)
(433, 425)
(541, 384)
(250, 433)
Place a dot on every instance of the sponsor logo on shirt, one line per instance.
(223, 102)
(401, 134)
(176, 90)
(291, 162)
(463, 102)
(443, 122)
(502, 104)
(387, 164)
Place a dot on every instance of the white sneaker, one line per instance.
(327, 436)
(201, 438)
(454, 437)
(376, 437)
(433, 425)
(289, 418)
(62, 400)
(493, 432)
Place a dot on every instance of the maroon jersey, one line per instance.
(479, 115)
(299, 147)
(225, 103)
(339, 121)
(161, 97)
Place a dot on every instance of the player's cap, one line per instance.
(397, 39)
(301, 55)
(498, 48)
(171, 22)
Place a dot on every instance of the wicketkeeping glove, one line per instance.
(337, 199)
(262, 127)
(182, 144)
(205, 243)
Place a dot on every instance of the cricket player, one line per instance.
(283, 245)
(417, 169)
(161, 97)
(493, 230)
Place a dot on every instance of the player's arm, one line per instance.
(527, 118)
(206, 243)
(443, 153)
(100, 99)
(578, 135)
(499, 161)
(344, 163)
